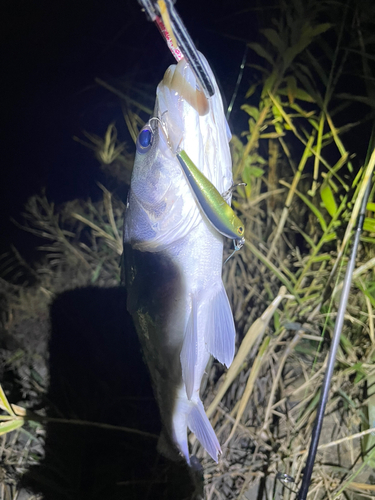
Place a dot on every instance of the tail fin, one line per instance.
(199, 424)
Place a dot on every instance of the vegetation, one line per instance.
(300, 205)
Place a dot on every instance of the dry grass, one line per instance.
(284, 285)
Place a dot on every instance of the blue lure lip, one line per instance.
(144, 140)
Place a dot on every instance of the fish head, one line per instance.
(195, 123)
(162, 208)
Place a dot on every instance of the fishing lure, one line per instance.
(213, 205)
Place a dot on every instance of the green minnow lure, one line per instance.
(216, 209)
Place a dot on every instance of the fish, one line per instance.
(173, 254)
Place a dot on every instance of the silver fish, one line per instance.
(173, 255)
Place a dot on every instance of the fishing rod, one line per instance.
(334, 346)
(163, 13)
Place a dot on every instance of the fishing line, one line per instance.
(239, 78)
(332, 353)
(231, 255)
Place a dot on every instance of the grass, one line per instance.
(304, 189)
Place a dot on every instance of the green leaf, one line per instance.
(307, 85)
(279, 130)
(358, 98)
(251, 110)
(263, 70)
(11, 425)
(308, 240)
(328, 199)
(346, 344)
(277, 113)
(359, 377)
(369, 295)
(273, 37)
(367, 239)
(361, 372)
(309, 115)
(291, 88)
(318, 68)
(246, 177)
(269, 83)
(249, 173)
(256, 171)
(4, 402)
(321, 258)
(369, 225)
(307, 35)
(291, 53)
(329, 237)
(261, 52)
(300, 94)
(313, 208)
(255, 158)
(370, 206)
(320, 28)
(251, 90)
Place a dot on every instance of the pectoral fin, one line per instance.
(189, 351)
(220, 333)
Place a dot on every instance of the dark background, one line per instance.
(51, 54)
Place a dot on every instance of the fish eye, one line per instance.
(144, 139)
(240, 230)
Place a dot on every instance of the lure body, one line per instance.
(173, 255)
(216, 209)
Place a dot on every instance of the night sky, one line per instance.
(53, 51)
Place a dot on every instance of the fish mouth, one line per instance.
(181, 80)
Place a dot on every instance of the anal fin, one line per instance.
(220, 332)
(199, 424)
(189, 351)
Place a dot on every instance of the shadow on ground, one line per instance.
(97, 374)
